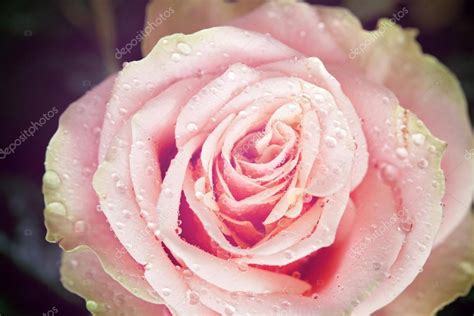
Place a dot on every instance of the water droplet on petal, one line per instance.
(376, 266)
(418, 139)
(157, 233)
(401, 152)
(243, 266)
(148, 266)
(187, 273)
(191, 127)
(92, 306)
(168, 193)
(388, 173)
(229, 310)
(175, 57)
(341, 133)
(405, 225)
(51, 180)
(296, 274)
(330, 141)
(56, 208)
(121, 188)
(231, 75)
(166, 291)
(193, 297)
(184, 48)
(422, 163)
(80, 227)
(126, 213)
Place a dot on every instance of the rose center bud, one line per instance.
(258, 170)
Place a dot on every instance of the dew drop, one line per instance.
(149, 170)
(51, 180)
(405, 225)
(330, 141)
(422, 163)
(148, 266)
(388, 173)
(319, 98)
(307, 198)
(231, 75)
(341, 133)
(126, 213)
(418, 139)
(229, 310)
(158, 233)
(175, 57)
(376, 266)
(184, 48)
(56, 208)
(296, 274)
(121, 188)
(187, 274)
(166, 291)
(92, 306)
(150, 226)
(191, 127)
(120, 225)
(288, 254)
(168, 193)
(401, 152)
(193, 297)
(79, 227)
(421, 247)
(243, 266)
(285, 305)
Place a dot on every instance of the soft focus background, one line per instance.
(52, 51)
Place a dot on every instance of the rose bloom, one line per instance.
(271, 166)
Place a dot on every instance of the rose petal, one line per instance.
(82, 274)
(296, 24)
(454, 261)
(409, 167)
(206, 51)
(165, 17)
(72, 214)
(424, 86)
(228, 276)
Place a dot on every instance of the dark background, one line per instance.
(51, 52)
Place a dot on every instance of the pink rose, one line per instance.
(290, 163)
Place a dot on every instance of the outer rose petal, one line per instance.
(412, 177)
(82, 273)
(453, 262)
(190, 16)
(71, 214)
(425, 87)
